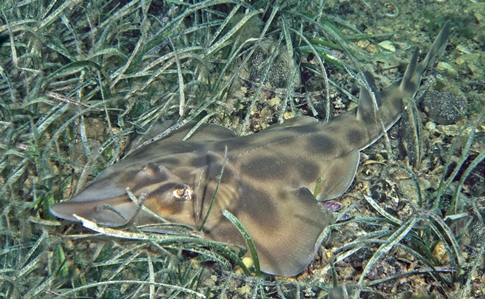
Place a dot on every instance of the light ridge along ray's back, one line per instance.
(268, 180)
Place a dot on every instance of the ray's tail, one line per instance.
(414, 71)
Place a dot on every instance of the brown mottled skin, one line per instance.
(268, 180)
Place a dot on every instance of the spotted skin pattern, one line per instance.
(269, 178)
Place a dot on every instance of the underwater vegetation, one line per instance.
(77, 78)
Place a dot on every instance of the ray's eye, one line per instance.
(184, 192)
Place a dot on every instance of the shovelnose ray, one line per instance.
(269, 180)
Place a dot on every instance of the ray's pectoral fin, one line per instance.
(292, 122)
(338, 177)
(204, 133)
(288, 241)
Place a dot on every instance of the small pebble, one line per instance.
(387, 45)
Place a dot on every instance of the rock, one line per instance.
(444, 107)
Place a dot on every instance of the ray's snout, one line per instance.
(111, 212)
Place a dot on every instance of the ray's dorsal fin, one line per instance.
(414, 71)
(407, 80)
(369, 99)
